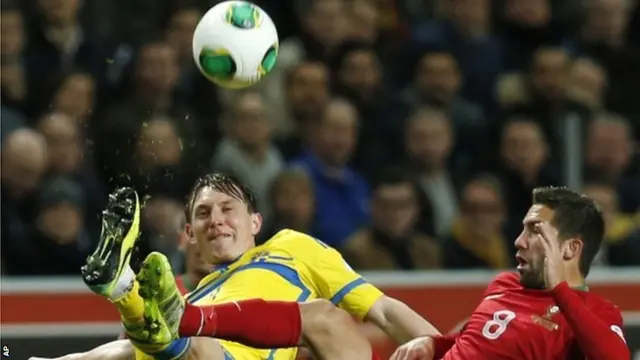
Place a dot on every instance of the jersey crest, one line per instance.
(546, 320)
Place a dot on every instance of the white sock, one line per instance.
(124, 284)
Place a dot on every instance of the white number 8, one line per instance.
(498, 325)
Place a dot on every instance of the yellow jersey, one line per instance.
(291, 266)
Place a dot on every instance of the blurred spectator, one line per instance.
(15, 78)
(67, 157)
(24, 163)
(160, 165)
(293, 201)
(153, 87)
(610, 158)
(603, 37)
(477, 239)
(59, 43)
(622, 241)
(192, 89)
(10, 121)
(75, 97)
(467, 34)
(587, 83)
(162, 219)
(429, 142)
(392, 241)
(324, 27)
(528, 25)
(247, 151)
(357, 74)
(307, 92)
(524, 153)
(342, 195)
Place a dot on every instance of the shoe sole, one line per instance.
(152, 272)
(124, 207)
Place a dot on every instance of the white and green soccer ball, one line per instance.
(235, 44)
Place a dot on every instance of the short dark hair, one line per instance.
(575, 215)
(394, 175)
(224, 183)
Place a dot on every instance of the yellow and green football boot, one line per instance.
(120, 230)
(163, 302)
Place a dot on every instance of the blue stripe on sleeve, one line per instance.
(339, 296)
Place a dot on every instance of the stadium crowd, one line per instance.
(408, 133)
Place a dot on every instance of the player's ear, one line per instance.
(256, 223)
(572, 249)
(189, 231)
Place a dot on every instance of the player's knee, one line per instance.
(322, 318)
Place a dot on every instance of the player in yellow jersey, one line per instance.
(278, 295)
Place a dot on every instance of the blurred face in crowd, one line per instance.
(605, 196)
(326, 22)
(159, 144)
(180, 32)
(162, 218)
(12, 39)
(586, 83)
(394, 209)
(429, 139)
(193, 260)
(363, 18)
(75, 97)
(336, 138)
(249, 123)
(24, 162)
(293, 200)
(61, 223)
(528, 13)
(60, 12)
(63, 142)
(606, 21)
(482, 209)
(531, 253)
(360, 71)
(523, 147)
(472, 16)
(609, 147)
(549, 73)
(308, 89)
(438, 78)
(157, 70)
(222, 226)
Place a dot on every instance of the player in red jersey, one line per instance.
(545, 311)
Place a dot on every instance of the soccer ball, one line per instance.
(235, 44)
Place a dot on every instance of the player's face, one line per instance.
(221, 226)
(530, 255)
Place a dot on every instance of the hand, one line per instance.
(417, 349)
(554, 272)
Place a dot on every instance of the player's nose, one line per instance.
(521, 242)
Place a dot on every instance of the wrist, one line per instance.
(560, 287)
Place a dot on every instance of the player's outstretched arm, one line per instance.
(398, 320)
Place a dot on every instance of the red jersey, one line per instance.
(514, 323)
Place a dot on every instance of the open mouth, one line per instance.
(522, 263)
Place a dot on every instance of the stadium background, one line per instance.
(449, 113)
